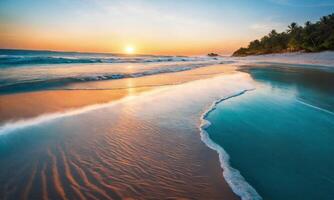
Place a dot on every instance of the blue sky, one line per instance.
(153, 26)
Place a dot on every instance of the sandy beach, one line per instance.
(123, 160)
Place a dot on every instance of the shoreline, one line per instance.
(231, 175)
(22, 106)
(321, 59)
(282, 96)
(206, 159)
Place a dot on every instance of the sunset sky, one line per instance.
(188, 27)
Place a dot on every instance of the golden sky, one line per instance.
(149, 26)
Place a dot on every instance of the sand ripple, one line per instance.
(135, 150)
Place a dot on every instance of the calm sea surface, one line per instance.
(281, 135)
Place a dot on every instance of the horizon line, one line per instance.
(98, 52)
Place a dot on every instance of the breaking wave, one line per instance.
(21, 82)
(232, 176)
(18, 58)
(25, 70)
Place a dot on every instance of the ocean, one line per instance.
(26, 70)
(280, 136)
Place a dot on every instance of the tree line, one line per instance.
(312, 37)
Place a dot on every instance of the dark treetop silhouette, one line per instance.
(312, 37)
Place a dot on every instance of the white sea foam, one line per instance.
(14, 59)
(232, 176)
(33, 77)
(315, 107)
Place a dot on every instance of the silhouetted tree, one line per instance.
(312, 37)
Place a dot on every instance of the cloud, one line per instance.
(304, 3)
(266, 26)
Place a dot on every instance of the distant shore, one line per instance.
(312, 37)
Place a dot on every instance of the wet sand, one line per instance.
(31, 104)
(132, 151)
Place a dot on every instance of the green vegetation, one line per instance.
(312, 37)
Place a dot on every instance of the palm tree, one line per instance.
(312, 37)
(308, 35)
(324, 19)
(292, 27)
(273, 33)
(308, 23)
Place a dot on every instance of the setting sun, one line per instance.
(129, 49)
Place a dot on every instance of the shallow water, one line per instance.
(280, 136)
(147, 147)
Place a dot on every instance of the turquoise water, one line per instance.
(281, 135)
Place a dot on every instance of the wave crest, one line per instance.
(232, 176)
(18, 60)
